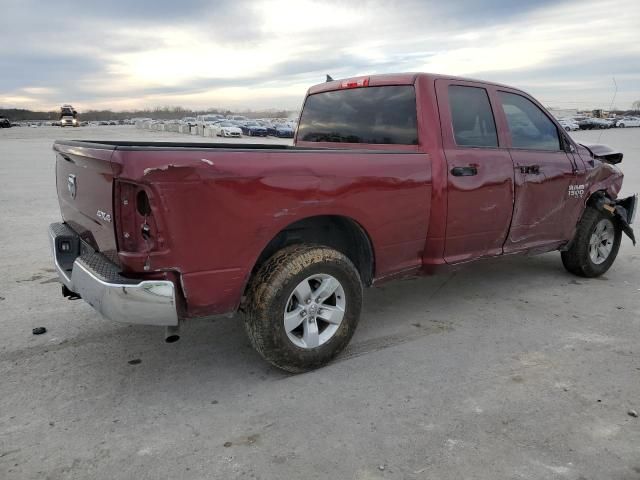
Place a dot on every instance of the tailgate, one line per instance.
(84, 180)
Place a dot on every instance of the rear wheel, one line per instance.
(595, 245)
(303, 307)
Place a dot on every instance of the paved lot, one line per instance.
(505, 369)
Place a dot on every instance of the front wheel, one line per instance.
(595, 245)
(303, 307)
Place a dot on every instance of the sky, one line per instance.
(257, 54)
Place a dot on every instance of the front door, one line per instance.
(480, 173)
(544, 175)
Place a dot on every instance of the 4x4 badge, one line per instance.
(72, 185)
(103, 216)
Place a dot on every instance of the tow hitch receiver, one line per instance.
(67, 293)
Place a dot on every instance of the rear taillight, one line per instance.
(136, 227)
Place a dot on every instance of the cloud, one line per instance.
(265, 53)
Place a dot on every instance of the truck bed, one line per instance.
(216, 207)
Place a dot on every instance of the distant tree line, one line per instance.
(170, 113)
(159, 113)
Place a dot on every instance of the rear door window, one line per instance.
(376, 115)
(472, 117)
(530, 128)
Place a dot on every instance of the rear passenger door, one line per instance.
(543, 174)
(479, 172)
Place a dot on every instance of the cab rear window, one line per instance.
(374, 115)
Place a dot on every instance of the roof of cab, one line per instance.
(393, 79)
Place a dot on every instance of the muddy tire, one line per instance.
(595, 245)
(303, 307)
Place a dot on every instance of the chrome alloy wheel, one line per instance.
(314, 311)
(601, 241)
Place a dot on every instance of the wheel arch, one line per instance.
(336, 231)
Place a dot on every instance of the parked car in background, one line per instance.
(191, 121)
(140, 119)
(604, 122)
(629, 122)
(227, 129)
(208, 120)
(569, 124)
(594, 123)
(254, 129)
(284, 131)
(271, 128)
(4, 123)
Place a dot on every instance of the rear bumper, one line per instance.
(98, 281)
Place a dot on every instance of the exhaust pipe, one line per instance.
(172, 334)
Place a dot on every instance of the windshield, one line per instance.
(378, 115)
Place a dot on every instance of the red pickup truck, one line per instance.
(389, 176)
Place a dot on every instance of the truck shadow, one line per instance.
(408, 307)
(215, 354)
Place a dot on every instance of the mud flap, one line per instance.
(624, 211)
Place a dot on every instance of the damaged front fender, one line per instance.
(623, 210)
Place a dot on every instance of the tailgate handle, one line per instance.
(67, 158)
(464, 171)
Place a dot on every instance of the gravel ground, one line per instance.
(508, 368)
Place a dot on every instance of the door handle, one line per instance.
(530, 169)
(464, 171)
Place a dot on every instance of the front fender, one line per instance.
(623, 210)
(606, 178)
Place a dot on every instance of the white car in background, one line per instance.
(629, 122)
(569, 124)
(227, 129)
(208, 120)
